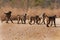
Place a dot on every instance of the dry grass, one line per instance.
(31, 11)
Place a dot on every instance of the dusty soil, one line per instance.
(29, 32)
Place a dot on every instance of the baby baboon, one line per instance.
(22, 18)
(8, 16)
(35, 19)
(51, 19)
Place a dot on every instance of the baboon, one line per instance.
(51, 19)
(18, 18)
(35, 19)
(43, 17)
(8, 16)
(22, 18)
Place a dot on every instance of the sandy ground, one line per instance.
(29, 32)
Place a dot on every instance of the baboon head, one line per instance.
(25, 14)
(10, 12)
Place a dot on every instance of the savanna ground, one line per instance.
(29, 32)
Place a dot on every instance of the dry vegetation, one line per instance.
(31, 11)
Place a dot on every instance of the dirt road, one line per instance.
(29, 32)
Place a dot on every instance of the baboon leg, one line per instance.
(34, 21)
(43, 20)
(24, 21)
(18, 21)
(48, 22)
(11, 20)
(7, 19)
(37, 21)
(54, 23)
(30, 22)
(40, 21)
(51, 22)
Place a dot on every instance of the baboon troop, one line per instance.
(32, 19)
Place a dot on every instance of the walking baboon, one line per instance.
(43, 17)
(34, 19)
(8, 16)
(51, 19)
(18, 18)
(22, 18)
